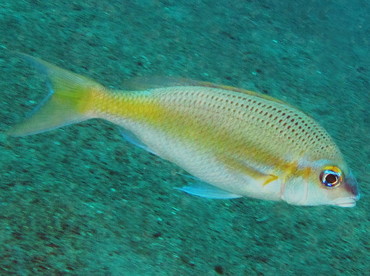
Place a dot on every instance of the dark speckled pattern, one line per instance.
(80, 201)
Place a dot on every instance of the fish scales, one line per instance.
(226, 120)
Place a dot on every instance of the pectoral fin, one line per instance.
(254, 173)
(133, 139)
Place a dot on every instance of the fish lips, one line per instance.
(348, 202)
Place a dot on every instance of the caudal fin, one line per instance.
(67, 102)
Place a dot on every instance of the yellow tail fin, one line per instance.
(67, 102)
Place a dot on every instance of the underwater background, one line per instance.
(82, 201)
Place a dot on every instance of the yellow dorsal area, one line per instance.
(130, 105)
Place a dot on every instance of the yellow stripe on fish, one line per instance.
(234, 142)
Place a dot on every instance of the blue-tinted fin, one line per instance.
(206, 190)
(133, 139)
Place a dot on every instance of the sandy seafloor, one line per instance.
(81, 201)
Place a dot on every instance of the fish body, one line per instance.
(234, 142)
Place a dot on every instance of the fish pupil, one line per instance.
(331, 178)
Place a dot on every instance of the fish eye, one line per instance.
(331, 178)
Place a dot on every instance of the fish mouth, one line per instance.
(348, 202)
(351, 186)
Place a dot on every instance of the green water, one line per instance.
(82, 201)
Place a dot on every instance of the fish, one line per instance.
(232, 142)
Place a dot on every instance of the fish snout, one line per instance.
(352, 187)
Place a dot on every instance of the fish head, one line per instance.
(324, 183)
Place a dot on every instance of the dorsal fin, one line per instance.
(151, 82)
(144, 83)
(239, 90)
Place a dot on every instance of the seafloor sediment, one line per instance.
(81, 201)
